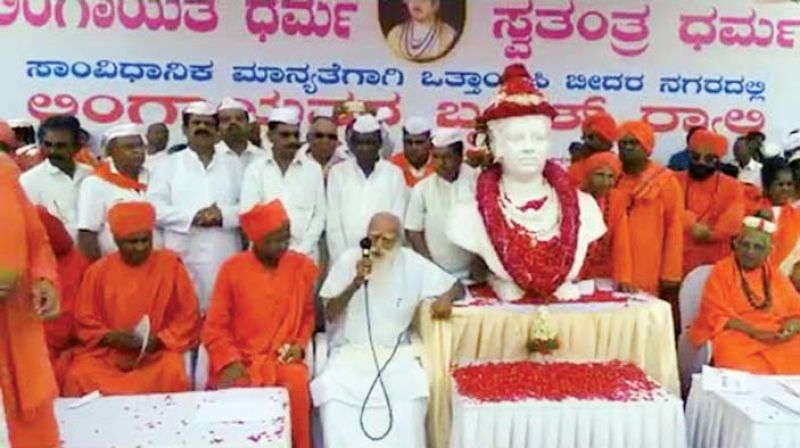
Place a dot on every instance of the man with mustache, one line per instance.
(713, 202)
(655, 215)
(55, 183)
(415, 160)
(234, 127)
(370, 303)
(288, 175)
(360, 187)
(323, 143)
(196, 196)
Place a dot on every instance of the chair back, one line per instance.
(690, 294)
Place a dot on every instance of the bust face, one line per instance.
(521, 144)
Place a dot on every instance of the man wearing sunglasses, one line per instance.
(323, 143)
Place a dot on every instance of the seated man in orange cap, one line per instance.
(610, 256)
(117, 293)
(599, 135)
(60, 332)
(713, 202)
(654, 204)
(261, 315)
(750, 312)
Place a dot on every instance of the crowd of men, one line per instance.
(246, 249)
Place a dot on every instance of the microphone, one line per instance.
(366, 252)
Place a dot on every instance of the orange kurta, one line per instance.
(28, 388)
(724, 299)
(610, 256)
(717, 202)
(655, 219)
(115, 296)
(253, 313)
(754, 199)
(409, 174)
(788, 234)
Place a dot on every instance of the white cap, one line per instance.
(792, 140)
(323, 112)
(366, 124)
(200, 108)
(383, 114)
(442, 137)
(285, 115)
(770, 150)
(794, 156)
(230, 103)
(20, 123)
(123, 130)
(417, 125)
(754, 222)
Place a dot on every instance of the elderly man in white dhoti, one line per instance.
(370, 297)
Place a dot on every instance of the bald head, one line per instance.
(384, 222)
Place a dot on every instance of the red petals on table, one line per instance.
(483, 295)
(553, 381)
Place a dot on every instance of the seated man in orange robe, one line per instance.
(27, 294)
(750, 312)
(713, 201)
(610, 256)
(60, 332)
(261, 316)
(599, 134)
(118, 291)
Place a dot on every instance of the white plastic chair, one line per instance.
(690, 359)
(690, 294)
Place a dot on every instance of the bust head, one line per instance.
(521, 144)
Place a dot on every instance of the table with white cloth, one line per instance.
(634, 328)
(754, 419)
(528, 404)
(233, 418)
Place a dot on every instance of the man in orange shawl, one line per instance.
(117, 293)
(27, 294)
(713, 202)
(415, 160)
(599, 134)
(750, 312)
(610, 256)
(262, 316)
(60, 332)
(654, 203)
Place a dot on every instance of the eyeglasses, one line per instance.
(327, 136)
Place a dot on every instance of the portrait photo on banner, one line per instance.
(422, 30)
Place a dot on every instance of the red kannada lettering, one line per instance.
(265, 18)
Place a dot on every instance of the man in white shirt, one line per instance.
(288, 175)
(196, 196)
(749, 168)
(370, 303)
(157, 141)
(323, 144)
(234, 127)
(431, 200)
(121, 179)
(361, 187)
(55, 183)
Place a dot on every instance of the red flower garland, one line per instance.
(483, 295)
(556, 381)
(538, 267)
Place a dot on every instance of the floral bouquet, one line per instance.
(544, 339)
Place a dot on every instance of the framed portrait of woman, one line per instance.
(422, 30)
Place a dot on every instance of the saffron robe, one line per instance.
(610, 256)
(255, 311)
(115, 296)
(724, 299)
(717, 202)
(412, 175)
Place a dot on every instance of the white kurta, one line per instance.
(395, 292)
(96, 198)
(429, 207)
(179, 188)
(248, 156)
(467, 230)
(301, 190)
(751, 174)
(353, 199)
(51, 188)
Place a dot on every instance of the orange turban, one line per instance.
(605, 159)
(60, 241)
(128, 218)
(707, 140)
(263, 219)
(7, 135)
(641, 131)
(603, 125)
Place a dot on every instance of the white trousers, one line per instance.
(341, 427)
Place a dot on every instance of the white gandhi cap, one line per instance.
(446, 136)
(285, 115)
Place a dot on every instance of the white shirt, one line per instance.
(96, 198)
(301, 190)
(428, 211)
(395, 291)
(354, 198)
(152, 160)
(248, 156)
(751, 174)
(180, 187)
(51, 188)
(340, 154)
